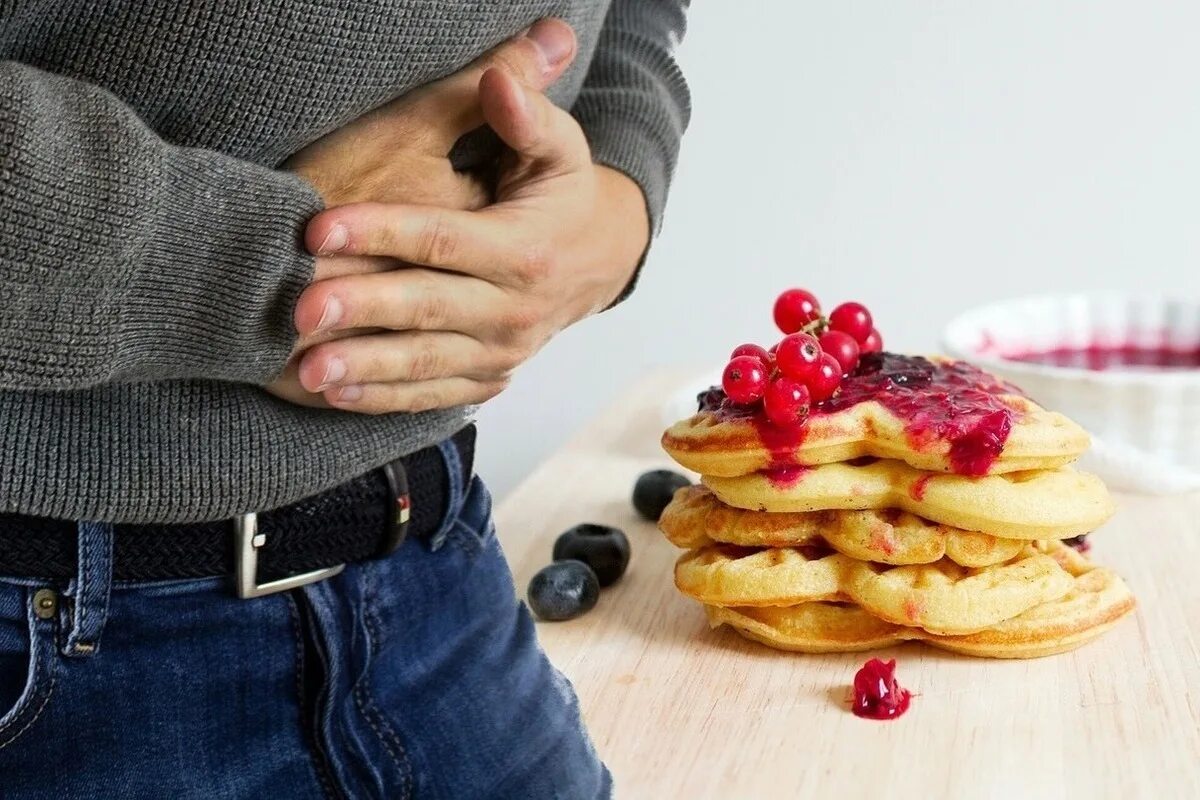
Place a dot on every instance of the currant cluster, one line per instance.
(807, 365)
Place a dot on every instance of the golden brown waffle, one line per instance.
(714, 445)
(695, 518)
(1048, 504)
(1097, 599)
(942, 597)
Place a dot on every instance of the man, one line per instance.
(256, 261)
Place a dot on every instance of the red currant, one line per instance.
(873, 343)
(826, 380)
(745, 379)
(786, 402)
(852, 318)
(794, 309)
(798, 356)
(841, 346)
(752, 350)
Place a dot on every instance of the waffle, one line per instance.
(941, 598)
(712, 444)
(696, 518)
(1048, 504)
(925, 500)
(1096, 600)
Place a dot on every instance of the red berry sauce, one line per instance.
(877, 695)
(918, 488)
(1121, 357)
(953, 402)
(785, 477)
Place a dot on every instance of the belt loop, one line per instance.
(454, 491)
(90, 589)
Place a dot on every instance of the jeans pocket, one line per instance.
(27, 663)
(474, 526)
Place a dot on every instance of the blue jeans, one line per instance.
(418, 675)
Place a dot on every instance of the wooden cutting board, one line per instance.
(679, 711)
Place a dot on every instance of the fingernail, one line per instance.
(330, 314)
(334, 372)
(349, 394)
(553, 39)
(335, 240)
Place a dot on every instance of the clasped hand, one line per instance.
(426, 295)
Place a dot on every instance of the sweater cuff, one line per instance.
(214, 293)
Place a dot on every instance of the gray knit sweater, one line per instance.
(149, 256)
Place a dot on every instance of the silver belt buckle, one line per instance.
(248, 540)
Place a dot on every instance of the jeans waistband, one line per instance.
(88, 591)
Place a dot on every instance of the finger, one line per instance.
(480, 244)
(450, 189)
(312, 340)
(408, 356)
(529, 123)
(404, 299)
(333, 266)
(536, 59)
(384, 398)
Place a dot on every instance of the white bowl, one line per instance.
(1145, 422)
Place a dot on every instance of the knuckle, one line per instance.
(535, 263)
(431, 313)
(437, 241)
(426, 362)
(518, 322)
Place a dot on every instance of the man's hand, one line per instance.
(400, 153)
(492, 285)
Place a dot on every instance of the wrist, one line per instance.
(625, 218)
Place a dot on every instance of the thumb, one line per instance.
(526, 121)
(450, 107)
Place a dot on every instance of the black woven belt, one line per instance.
(365, 517)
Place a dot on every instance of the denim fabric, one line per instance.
(417, 675)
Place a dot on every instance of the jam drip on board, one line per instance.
(877, 695)
(953, 402)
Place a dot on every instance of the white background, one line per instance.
(921, 157)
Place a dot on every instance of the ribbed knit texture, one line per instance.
(150, 252)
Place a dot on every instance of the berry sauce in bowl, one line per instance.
(1125, 367)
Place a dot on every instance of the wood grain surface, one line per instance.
(680, 711)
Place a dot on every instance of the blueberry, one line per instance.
(563, 590)
(603, 548)
(654, 490)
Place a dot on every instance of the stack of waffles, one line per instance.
(927, 500)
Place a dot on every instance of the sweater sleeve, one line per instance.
(635, 103)
(126, 258)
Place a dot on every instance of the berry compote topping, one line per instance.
(787, 476)
(877, 695)
(919, 486)
(952, 402)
